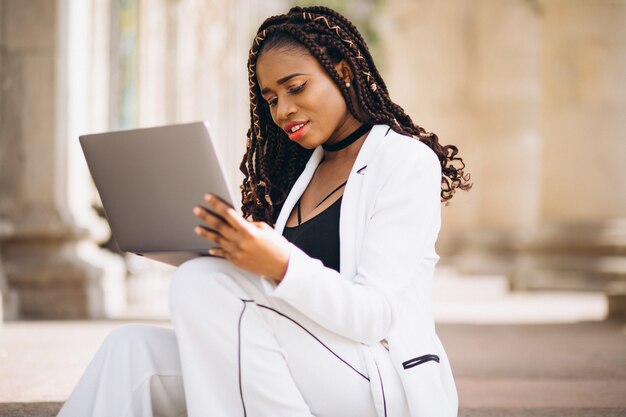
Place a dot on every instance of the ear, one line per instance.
(344, 71)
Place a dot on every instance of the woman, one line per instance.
(320, 305)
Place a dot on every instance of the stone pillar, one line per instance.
(469, 71)
(505, 93)
(192, 57)
(8, 296)
(192, 60)
(425, 62)
(581, 240)
(43, 255)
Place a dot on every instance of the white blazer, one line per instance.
(390, 219)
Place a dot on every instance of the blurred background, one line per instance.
(533, 93)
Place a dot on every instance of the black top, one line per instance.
(318, 237)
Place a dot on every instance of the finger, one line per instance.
(214, 221)
(214, 237)
(216, 199)
(218, 252)
(221, 253)
(207, 233)
(216, 203)
(227, 212)
(206, 215)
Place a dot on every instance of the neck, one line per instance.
(345, 154)
(349, 152)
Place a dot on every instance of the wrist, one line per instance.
(281, 268)
(281, 265)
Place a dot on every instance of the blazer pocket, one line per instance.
(419, 360)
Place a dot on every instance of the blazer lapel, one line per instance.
(353, 205)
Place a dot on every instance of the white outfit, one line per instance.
(312, 344)
(231, 354)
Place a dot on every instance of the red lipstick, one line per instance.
(297, 135)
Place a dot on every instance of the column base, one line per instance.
(572, 257)
(616, 300)
(61, 279)
(485, 252)
(8, 297)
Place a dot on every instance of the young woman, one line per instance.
(317, 301)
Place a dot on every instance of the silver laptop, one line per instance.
(149, 180)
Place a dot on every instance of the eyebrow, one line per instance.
(282, 81)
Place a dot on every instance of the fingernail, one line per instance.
(196, 210)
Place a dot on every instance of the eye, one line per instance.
(297, 89)
(292, 90)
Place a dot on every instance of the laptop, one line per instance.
(149, 181)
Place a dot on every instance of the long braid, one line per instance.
(272, 162)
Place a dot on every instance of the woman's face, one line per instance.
(302, 96)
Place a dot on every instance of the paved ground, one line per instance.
(501, 370)
(512, 355)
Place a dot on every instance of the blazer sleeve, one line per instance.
(402, 228)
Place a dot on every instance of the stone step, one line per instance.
(542, 412)
(34, 409)
(50, 409)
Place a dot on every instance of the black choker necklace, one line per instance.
(349, 140)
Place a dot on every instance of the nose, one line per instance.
(285, 108)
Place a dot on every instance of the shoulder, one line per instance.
(398, 151)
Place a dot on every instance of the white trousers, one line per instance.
(234, 351)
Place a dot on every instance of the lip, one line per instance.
(298, 133)
(288, 126)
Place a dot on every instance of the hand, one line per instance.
(253, 246)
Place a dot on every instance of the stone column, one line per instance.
(192, 60)
(469, 71)
(504, 89)
(43, 255)
(8, 296)
(192, 57)
(581, 240)
(426, 64)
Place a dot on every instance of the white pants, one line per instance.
(234, 351)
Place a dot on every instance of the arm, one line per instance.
(403, 226)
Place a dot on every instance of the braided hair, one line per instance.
(272, 162)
